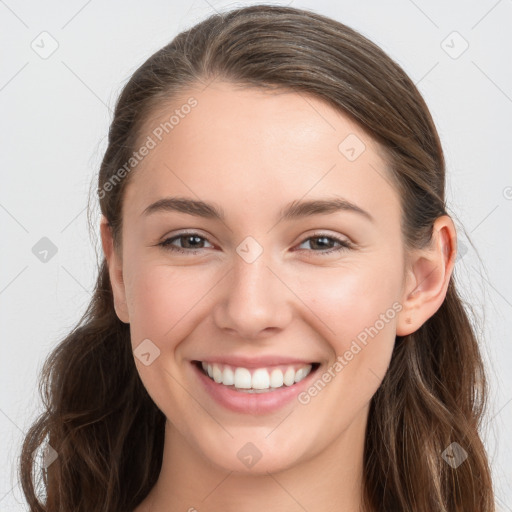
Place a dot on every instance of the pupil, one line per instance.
(320, 239)
(192, 237)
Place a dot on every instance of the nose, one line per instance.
(255, 301)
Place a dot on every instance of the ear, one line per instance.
(428, 277)
(115, 270)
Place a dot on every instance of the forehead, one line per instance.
(253, 150)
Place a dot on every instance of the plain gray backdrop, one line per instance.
(63, 66)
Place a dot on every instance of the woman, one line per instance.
(275, 323)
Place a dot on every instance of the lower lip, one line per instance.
(252, 403)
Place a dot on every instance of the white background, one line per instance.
(55, 119)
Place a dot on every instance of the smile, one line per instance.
(256, 380)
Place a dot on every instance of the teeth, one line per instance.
(276, 378)
(299, 374)
(228, 377)
(242, 378)
(289, 377)
(217, 374)
(259, 380)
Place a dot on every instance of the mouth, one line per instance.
(256, 380)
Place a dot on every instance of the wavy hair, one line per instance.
(98, 416)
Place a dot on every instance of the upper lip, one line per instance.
(254, 362)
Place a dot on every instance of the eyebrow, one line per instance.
(294, 210)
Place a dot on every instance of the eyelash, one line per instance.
(166, 244)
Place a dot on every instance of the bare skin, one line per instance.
(251, 153)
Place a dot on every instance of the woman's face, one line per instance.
(259, 289)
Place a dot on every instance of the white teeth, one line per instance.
(228, 377)
(276, 378)
(289, 377)
(242, 378)
(261, 378)
(217, 373)
(299, 374)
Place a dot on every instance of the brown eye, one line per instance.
(190, 243)
(323, 244)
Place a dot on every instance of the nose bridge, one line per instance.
(252, 279)
(255, 299)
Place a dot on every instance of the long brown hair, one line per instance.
(105, 429)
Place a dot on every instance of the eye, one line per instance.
(192, 242)
(323, 241)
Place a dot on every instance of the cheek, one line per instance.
(348, 300)
(356, 310)
(357, 321)
(160, 299)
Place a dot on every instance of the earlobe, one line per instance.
(428, 278)
(115, 271)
